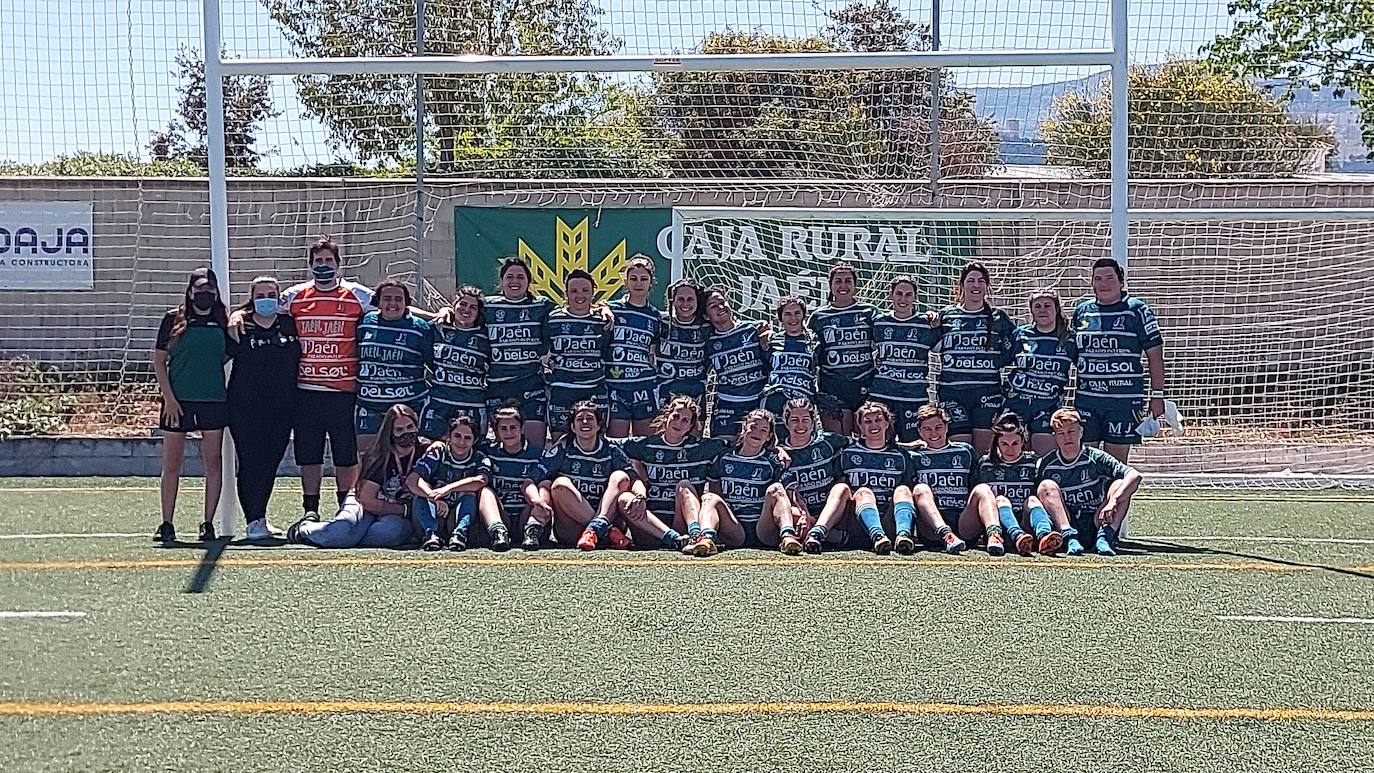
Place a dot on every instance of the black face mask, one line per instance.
(405, 439)
(203, 300)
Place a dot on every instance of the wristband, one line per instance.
(1157, 394)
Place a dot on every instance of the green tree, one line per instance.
(1186, 119)
(1326, 42)
(247, 103)
(538, 124)
(833, 124)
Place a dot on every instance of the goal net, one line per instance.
(1266, 345)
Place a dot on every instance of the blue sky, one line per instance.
(97, 74)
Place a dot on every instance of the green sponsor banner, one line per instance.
(759, 261)
(555, 242)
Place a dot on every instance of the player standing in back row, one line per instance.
(635, 336)
(1112, 330)
(844, 350)
(975, 343)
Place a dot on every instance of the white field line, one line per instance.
(1289, 619)
(1274, 540)
(9, 615)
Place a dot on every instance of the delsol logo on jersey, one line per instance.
(556, 242)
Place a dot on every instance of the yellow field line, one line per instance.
(76, 709)
(604, 563)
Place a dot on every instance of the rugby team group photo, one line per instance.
(507, 419)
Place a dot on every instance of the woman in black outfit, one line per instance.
(262, 389)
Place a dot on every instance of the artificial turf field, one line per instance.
(286, 658)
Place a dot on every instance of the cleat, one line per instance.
(500, 541)
(790, 545)
(812, 545)
(457, 542)
(260, 529)
(311, 515)
(690, 547)
(207, 532)
(166, 533)
(534, 538)
(953, 544)
(618, 539)
(1073, 547)
(882, 545)
(683, 543)
(1103, 546)
(704, 546)
(1025, 543)
(588, 540)
(904, 545)
(997, 546)
(432, 544)
(1050, 544)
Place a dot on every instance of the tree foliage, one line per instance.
(247, 103)
(538, 124)
(1325, 42)
(1186, 119)
(831, 124)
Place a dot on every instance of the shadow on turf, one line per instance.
(1179, 548)
(208, 562)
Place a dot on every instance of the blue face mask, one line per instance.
(265, 306)
(323, 272)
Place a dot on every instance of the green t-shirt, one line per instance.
(195, 361)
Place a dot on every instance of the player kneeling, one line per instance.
(747, 504)
(457, 479)
(1009, 470)
(1085, 487)
(582, 468)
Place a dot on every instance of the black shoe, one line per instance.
(905, 545)
(432, 544)
(682, 541)
(500, 541)
(882, 545)
(207, 532)
(534, 538)
(166, 533)
(457, 542)
(812, 545)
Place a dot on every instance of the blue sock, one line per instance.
(600, 526)
(1040, 521)
(868, 515)
(1106, 541)
(670, 538)
(787, 531)
(1007, 517)
(904, 513)
(694, 530)
(819, 532)
(1071, 544)
(709, 534)
(465, 509)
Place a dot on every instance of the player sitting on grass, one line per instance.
(878, 474)
(513, 458)
(1009, 470)
(950, 469)
(580, 469)
(819, 499)
(672, 461)
(747, 504)
(456, 478)
(1085, 487)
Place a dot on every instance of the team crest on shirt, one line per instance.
(729, 469)
(1083, 324)
(887, 334)
(577, 468)
(658, 456)
(955, 324)
(925, 461)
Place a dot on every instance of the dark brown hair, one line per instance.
(323, 244)
(388, 285)
(1007, 422)
(217, 312)
(374, 465)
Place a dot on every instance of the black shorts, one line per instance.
(527, 393)
(321, 415)
(197, 416)
(835, 395)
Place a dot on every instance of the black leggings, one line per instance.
(260, 437)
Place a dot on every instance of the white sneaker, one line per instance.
(261, 529)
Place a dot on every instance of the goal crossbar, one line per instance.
(473, 64)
